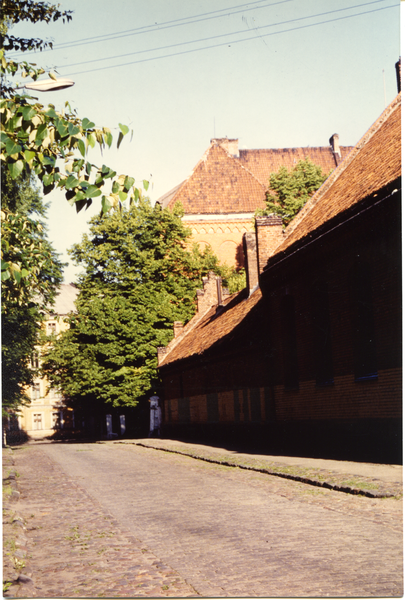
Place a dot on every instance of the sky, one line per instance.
(272, 73)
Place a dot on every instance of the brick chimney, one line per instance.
(231, 146)
(269, 235)
(334, 144)
(177, 328)
(212, 294)
(251, 266)
(161, 353)
(398, 71)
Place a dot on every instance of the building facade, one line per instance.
(306, 359)
(47, 412)
(229, 184)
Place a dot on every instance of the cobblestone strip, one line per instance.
(74, 548)
(349, 484)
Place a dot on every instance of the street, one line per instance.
(223, 531)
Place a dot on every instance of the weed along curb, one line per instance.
(356, 485)
(15, 583)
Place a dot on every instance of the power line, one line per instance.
(221, 35)
(166, 25)
(233, 42)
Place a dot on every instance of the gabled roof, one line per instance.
(219, 184)
(214, 326)
(263, 162)
(373, 163)
(223, 183)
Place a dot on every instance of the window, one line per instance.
(322, 334)
(56, 420)
(35, 360)
(35, 391)
(51, 327)
(364, 343)
(37, 421)
(289, 343)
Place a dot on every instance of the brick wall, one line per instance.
(242, 380)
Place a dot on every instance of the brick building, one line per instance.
(228, 185)
(306, 359)
(47, 413)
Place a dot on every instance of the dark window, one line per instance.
(289, 342)
(322, 334)
(212, 408)
(365, 364)
(255, 405)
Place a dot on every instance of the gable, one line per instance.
(219, 184)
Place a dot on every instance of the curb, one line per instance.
(309, 481)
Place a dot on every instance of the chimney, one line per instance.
(161, 353)
(334, 144)
(269, 235)
(251, 266)
(398, 71)
(211, 295)
(177, 328)
(231, 146)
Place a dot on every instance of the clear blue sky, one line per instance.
(293, 81)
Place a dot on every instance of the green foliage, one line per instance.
(14, 11)
(290, 190)
(139, 278)
(39, 138)
(25, 248)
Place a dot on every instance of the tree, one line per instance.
(24, 247)
(289, 190)
(139, 278)
(40, 139)
(40, 143)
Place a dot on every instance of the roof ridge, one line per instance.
(371, 131)
(235, 159)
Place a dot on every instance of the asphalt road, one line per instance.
(230, 532)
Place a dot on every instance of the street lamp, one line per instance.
(48, 85)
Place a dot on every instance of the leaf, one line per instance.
(123, 196)
(52, 75)
(82, 147)
(128, 183)
(105, 204)
(87, 124)
(91, 139)
(145, 185)
(123, 128)
(29, 156)
(12, 147)
(92, 192)
(120, 138)
(16, 168)
(28, 113)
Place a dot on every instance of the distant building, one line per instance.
(229, 184)
(306, 359)
(47, 412)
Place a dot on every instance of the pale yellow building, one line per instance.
(47, 413)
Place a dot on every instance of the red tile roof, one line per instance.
(219, 184)
(213, 326)
(372, 164)
(222, 183)
(263, 162)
